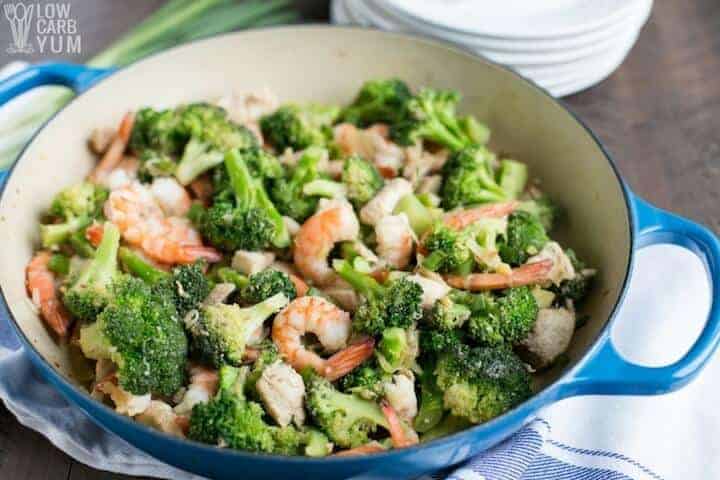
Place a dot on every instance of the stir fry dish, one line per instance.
(305, 279)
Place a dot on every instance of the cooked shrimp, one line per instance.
(203, 386)
(114, 153)
(395, 240)
(459, 219)
(528, 274)
(171, 196)
(335, 223)
(125, 402)
(143, 224)
(368, 448)
(123, 175)
(161, 416)
(330, 325)
(372, 144)
(385, 201)
(43, 292)
(400, 435)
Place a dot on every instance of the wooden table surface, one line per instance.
(658, 115)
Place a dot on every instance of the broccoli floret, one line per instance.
(575, 289)
(469, 178)
(141, 333)
(362, 180)
(394, 304)
(287, 192)
(378, 101)
(430, 115)
(262, 164)
(398, 348)
(447, 426)
(75, 207)
(199, 134)
(298, 127)
(544, 209)
(525, 237)
(186, 285)
(89, 291)
(447, 314)
(220, 332)
(431, 401)
(231, 420)
(229, 275)
(365, 381)
(59, 264)
(477, 132)
(433, 341)
(243, 218)
(269, 354)
(512, 177)
(481, 383)
(505, 320)
(346, 419)
(448, 250)
(420, 216)
(213, 135)
(265, 284)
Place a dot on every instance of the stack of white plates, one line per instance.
(563, 45)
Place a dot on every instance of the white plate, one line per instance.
(404, 22)
(516, 18)
(368, 16)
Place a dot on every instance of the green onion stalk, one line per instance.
(176, 22)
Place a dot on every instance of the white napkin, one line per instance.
(670, 436)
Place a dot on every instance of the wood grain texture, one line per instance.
(658, 115)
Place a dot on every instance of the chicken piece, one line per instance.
(550, 336)
(400, 393)
(430, 184)
(433, 290)
(562, 267)
(161, 416)
(385, 201)
(282, 391)
(335, 168)
(345, 297)
(246, 108)
(248, 262)
(219, 293)
(100, 139)
(419, 162)
(125, 402)
(203, 386)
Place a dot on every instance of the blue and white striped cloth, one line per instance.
(610, 438)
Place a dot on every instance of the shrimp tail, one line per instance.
(398, 433)
(460, 219)
(368, 448)
(348, 359)
(191, 253)
(528, 274)
(113, 155)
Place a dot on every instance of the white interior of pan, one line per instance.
(328, 65)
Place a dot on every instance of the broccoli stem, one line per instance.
(104, 264)
(81, 245)
(512, 177)
(55, 234)
(433, 261)
(420, 217)
(196, 160)
(229, 275)
(249, 192)
(139, 267)
(325, 188)
(364, 284)
(431, 404)
(477, 132)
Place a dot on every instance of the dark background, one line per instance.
(658, 115)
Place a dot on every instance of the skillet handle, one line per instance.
(76, 77)
(607, 372)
